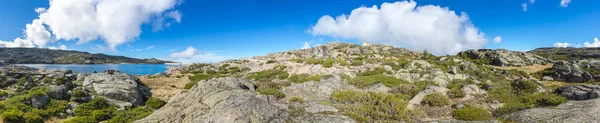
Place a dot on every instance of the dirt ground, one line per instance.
(165, 87)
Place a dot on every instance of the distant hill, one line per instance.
(569, 53)
(48, 56)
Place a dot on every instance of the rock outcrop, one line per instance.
(586, 111)
(579, 92)
(570, 72)
(117, 86)
(502, 57)
(221, 100)
(569, 53)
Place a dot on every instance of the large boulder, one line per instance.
(221, 100)
(58, 92)
(586, 111)
(39, 101)
(570, 72)
(118, 86)
(579, 92)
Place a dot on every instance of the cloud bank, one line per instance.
(562, 44)
(191, 55)
(596, 43)
(114, 21)
(564, 3)
(437, 29)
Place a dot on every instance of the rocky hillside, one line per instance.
(567, 53)
(48, 56)
(340, 82)
(37, 96)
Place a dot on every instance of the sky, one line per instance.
(215, 30)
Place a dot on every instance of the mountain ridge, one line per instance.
(50, 56)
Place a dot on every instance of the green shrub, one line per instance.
(131, 115)
(78, 93)
(342, 62)
(456, 93)
(60, 81)
(268, 75)
(413, 89)
(314, 61)
(549, 99)
(100, 115)
(271, 61)
(86, 109)
(271, 91)
(297, 99)
(13, 115)
(436, 99)
(525, 86)
(471, 113)
(155, 103)
(357, 63)
(54, 107)
(80, 119)
(195, 79)
(295, 78)
(328, 63)
(365, 81)
(33, 118)
(370, 106)
(376, 71)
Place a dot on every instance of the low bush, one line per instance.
(357, 63)
(155, 103)
(525, 86)
(471, 113)
(86, 109)
(267, 75)
(78, 93)
(195, 79)
(370, 106)
(436, 99)
(12, 116)
(328, 63)
(297, 99)
(131, 115)
(295, 78)
(33, 118)
(271, 61)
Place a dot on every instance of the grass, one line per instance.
(297, 99)
(155, 103)
(456, 88)
(99, 110)
(412, 89)
(518, 97)
(370, 106)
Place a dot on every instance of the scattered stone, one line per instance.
(547, 78)
(58, 92)
(39, 101)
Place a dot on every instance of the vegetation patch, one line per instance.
(471, 113)
(155, 103)
(301, 78)
(516, 97)
(370, 106)
(365, 81)
(436, 99)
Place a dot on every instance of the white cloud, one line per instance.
(497, 39)
(114, 21)
(18, 42)
(306, 45)
(191, 55)
(532, 1)
(61, 47)
(564, 3)
(150, 47)
(437, 29)
(562, 45)
(596, 43)
(524, 5)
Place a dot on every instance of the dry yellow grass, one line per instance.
(165, 87)
(529, 69)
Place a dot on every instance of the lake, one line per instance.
(140, 69)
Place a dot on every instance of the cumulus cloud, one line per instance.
(562, 44)
(497, 39)
(564, 3)
(18, 42)
(306, 45)
(61, 47)
(596, 43)
(524, 5)
(437, 29)
(113, 21)
(191, 55)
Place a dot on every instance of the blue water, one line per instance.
(84, 68)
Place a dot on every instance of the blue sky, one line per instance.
(245, 28)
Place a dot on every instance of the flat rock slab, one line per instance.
(586, 111)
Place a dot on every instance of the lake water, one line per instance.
(85, 68)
